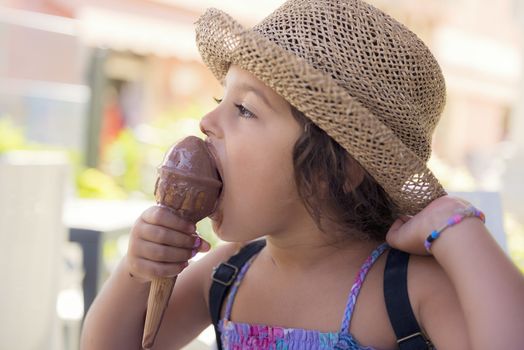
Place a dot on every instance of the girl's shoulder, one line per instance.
(212, 259)
(435, 302)
(427, 281)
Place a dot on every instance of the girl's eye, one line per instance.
(244, 112)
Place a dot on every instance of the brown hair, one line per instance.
(334, 186)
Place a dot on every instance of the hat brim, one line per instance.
(222, 41)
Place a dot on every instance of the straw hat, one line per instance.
(357, 73)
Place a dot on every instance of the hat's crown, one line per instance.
(377, 60)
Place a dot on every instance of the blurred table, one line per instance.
(91, 222)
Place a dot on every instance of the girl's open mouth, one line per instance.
(219, 175)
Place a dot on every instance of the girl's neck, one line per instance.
(309, 248)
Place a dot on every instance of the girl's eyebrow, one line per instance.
(247, 87)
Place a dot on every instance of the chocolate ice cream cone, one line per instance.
(188, 184)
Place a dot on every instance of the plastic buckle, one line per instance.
(414, 335)
(232, 273)
(409, 337)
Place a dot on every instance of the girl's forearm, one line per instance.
(115, 319)
(489, 286)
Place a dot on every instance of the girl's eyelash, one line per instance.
(244, 112)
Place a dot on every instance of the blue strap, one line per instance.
(223, 277)
(405, 325)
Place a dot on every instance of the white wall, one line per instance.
(32, 236)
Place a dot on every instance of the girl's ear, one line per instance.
(355, 173)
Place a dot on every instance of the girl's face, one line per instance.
(252, 133)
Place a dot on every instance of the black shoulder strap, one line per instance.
(223, 276)
(407, 330)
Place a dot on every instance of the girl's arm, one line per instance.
(115, 320)
(485, 284)
(489, 287)
(160, 245)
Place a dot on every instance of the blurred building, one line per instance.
(41, 75)
(67, 67)
(512, 180)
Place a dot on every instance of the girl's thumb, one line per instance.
(398, 235)
(393, 236)
(202, 245)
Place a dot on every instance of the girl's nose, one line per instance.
(209, 124)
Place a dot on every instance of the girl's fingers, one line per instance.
(162, 216)
(409, 233)
(148, 269)
(404, 235)
(161, 244)
(166, 236)
(396, 234)
(161, 253)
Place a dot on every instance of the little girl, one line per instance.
(321, 140)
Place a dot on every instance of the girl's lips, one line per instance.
(215, 215)
(213, 153)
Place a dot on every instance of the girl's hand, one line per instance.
(161, 244)
(408, 233)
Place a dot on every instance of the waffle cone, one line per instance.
(159, 294)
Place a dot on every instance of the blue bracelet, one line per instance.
(469, 212)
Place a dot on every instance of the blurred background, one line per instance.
(93, 92)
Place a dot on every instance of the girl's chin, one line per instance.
(216, 227)
(216, 222)
(224, 234)
(231, 234)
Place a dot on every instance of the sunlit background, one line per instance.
(93, 92)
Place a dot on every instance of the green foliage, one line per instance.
(129, 166)
(11, 137)
(123, 161)
(131, 160)
(205, 229)
(92, 183)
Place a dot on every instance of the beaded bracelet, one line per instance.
(470, 211)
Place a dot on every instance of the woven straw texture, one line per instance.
(357, 73)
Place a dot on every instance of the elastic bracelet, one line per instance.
(469, 212)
